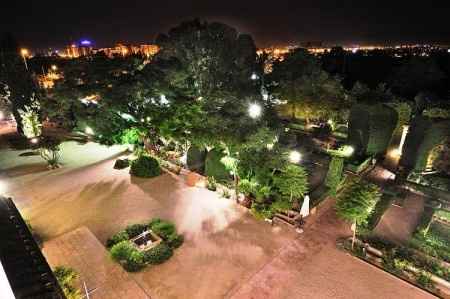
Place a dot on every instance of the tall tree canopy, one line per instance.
(309, 92)
(14, 75)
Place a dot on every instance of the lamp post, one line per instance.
(24, 53)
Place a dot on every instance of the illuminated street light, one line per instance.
(294, 157)
(254, 110)
(34, 140)
(24, 53)
(89, 131)
(54, 68)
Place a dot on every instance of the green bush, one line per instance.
(128, 256)
(424, 280)
(211, 183)
(145, 167)
(134, 230)
(158, 254)
(334, 175)
(117, 238)
(66, 278)
(214, 167)
(163, 228)
(195, 159)
(174, 241)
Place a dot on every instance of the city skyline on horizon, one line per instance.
(43, 24)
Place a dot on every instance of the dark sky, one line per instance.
(41, 23)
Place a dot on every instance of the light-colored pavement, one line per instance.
(104, 278)
(311, 266)
(227, 253)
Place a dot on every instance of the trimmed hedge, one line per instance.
(158, 254)
(131, 258)
(146, 167)
(214, 167)
(371, 128)
(334, 175)
(195, 159)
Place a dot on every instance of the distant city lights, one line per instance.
(85, 42)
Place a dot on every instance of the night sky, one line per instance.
(41, 23)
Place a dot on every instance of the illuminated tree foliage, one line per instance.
(310, 92)
(356, 200)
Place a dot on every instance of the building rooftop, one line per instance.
(28, 273)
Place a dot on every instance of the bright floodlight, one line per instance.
(254, 110)
(24, 52)
(54, 67)
(294, 157)
(34, 140)
(89, 131)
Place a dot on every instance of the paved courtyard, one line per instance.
(227, 253)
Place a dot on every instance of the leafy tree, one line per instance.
(310, 93)
(16, 77)
(209, 68)
(67, 280)
(356, 201)
(31, 123)
(291, 182)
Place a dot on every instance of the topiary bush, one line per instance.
(174, 241)
(158, 254)
(146, 167)
(195, 159)
(128, 256)
(119, 237)
(214, 166)
(164, 229)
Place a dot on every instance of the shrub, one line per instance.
(158, 254)
(126, 254)
(49, 151)
(134, 230)
(211, 183)
(121, 163)
(119, 237)
(66, 278)
(164, 229)
(195, 159)
(334, 175)
(424, 280)
(214, 166)
(291, 182)
(174, 241)
(145, 167)
(226, 193)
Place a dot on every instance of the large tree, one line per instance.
(14, 75)
(307, 91)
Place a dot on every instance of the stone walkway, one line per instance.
(311, 266)
(398, 223)
(80, 250)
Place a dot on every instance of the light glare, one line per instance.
(254, 110)
(294, 157)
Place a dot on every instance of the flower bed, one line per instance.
(141, 244)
